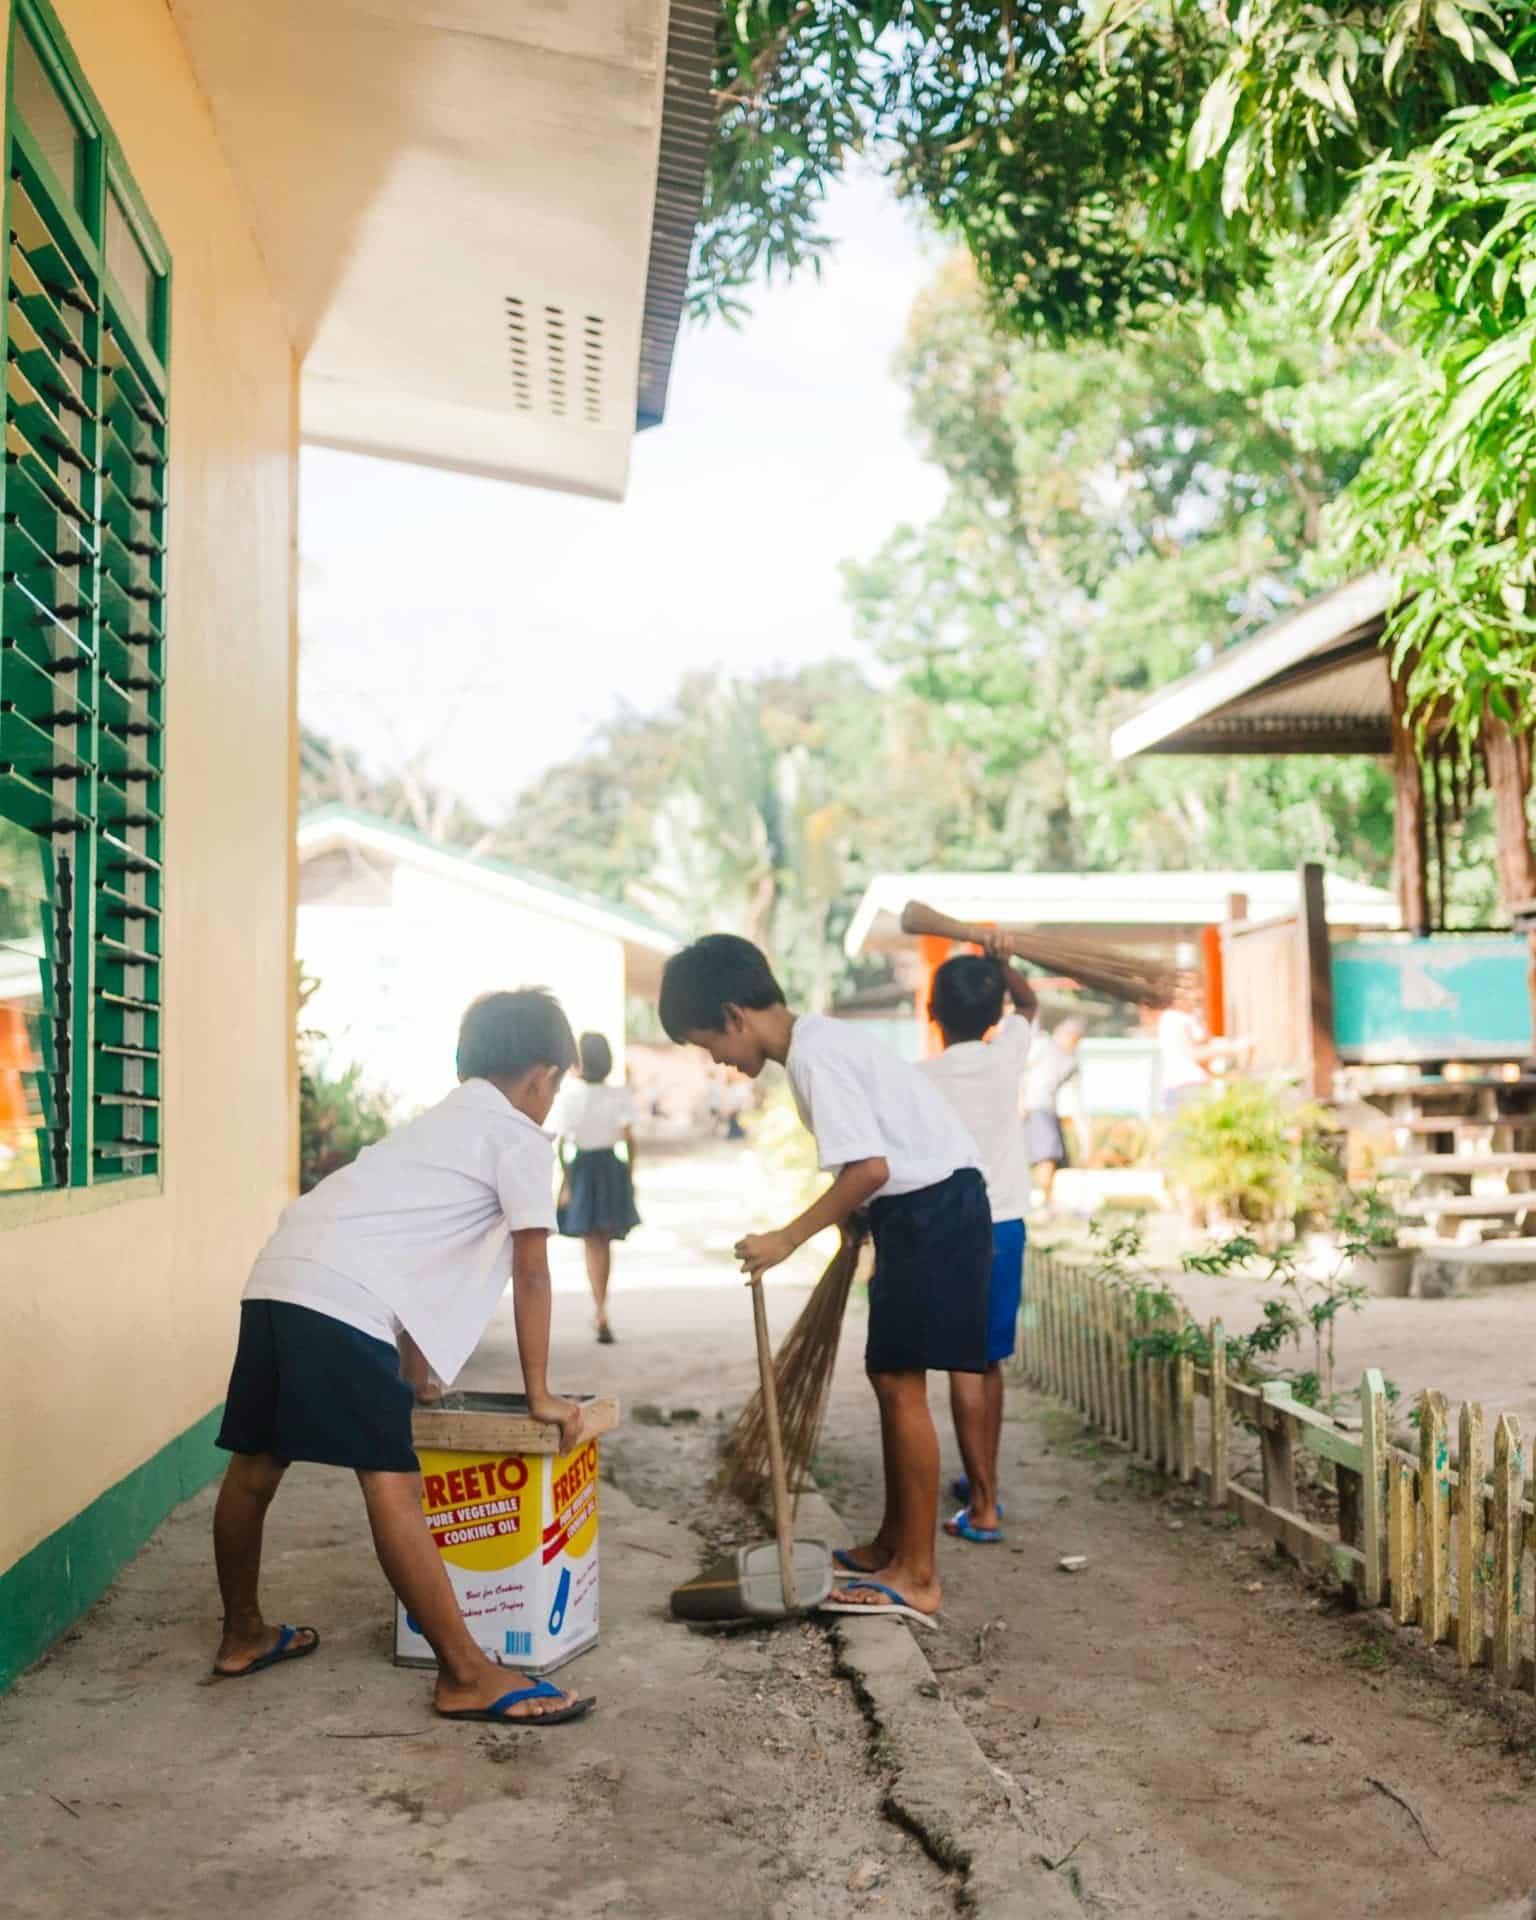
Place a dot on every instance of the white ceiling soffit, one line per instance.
(455, 200)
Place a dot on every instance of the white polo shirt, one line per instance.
(417, 1232)
(863, 1102)
(980, 1079)
(592, 1115)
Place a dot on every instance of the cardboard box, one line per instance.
(517, 1530)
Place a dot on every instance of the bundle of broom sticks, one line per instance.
(802, 1370)
(1122, 974)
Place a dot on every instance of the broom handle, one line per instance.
(782, 1525)
(916, 917)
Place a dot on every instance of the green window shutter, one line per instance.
(131, 681)
(82, 644)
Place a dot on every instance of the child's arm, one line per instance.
(530, 1310)
(855, 1185)
(416, 1370)
(1020, 992)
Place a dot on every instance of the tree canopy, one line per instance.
(1115, 167)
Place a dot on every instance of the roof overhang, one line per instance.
(646, 947)
(476, 214)
(1143, 909)
(1315, 681)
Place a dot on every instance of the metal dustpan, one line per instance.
(748, 1584)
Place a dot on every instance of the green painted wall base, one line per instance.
(48, 1589)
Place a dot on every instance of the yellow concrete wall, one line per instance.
(118, 1322)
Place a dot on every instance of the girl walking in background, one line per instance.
(597, 1197)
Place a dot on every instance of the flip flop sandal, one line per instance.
(605, 1336)
(896, 1608)
(961, 1527)
(960, 1489)
(284, 1650)
(843, 1559)
(495, 1714)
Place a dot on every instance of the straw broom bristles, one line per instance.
(1120, 972)
(802, 1370)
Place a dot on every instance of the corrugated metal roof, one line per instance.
(1313, 682)
(687, 132)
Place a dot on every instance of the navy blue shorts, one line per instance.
(1005, 1293)
(928, 1298)
(307, 1387)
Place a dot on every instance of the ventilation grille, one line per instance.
(557, 369)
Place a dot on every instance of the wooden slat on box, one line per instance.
(501, 1423)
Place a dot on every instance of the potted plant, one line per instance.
(1369, 1229)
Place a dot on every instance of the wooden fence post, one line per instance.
(1220, 1437)
(1048, 1314)
(1186, 1399)
(1279, 1460)
(1435, 1516)
(1470, 1521)
(1403, 1541)
(1373, 1482)
(1098, 1317)
(1508, 1549)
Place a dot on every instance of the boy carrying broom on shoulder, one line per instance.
(980, 1078)
(896, 1146)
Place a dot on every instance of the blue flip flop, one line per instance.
(960, 1489)
(275, 1656)
(541, 1690)
(844, 1559)
(899, 1607)
(961, 1528)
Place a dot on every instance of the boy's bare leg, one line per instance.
(599, 1251)
(250, 1481)
(875, 1553)
(973, 1404)
(995, 1396)
(466, 1678)
(911, 1446)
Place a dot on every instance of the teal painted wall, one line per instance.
(1448, 997)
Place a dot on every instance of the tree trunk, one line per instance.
(1507, 756)
(1410, 861)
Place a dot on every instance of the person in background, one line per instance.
(979, 1077)
(1052, 1063)
(1188, 1055)
(597, 1196)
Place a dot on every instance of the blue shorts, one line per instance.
(1005, 1294)
(307, 1387)
(928, 1297)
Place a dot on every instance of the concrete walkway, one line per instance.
(735, 1773)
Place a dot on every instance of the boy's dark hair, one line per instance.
(505, 1035)
(596, 1057)
(967, 996)
(719, 971)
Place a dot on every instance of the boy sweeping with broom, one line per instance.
(896, 1146)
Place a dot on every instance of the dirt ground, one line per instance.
(1194, 1728)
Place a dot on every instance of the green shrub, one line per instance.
(1255, 1153)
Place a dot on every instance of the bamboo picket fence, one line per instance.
(1441, 1548)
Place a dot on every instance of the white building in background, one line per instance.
(401, 935)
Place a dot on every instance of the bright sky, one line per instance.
(783, 453)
